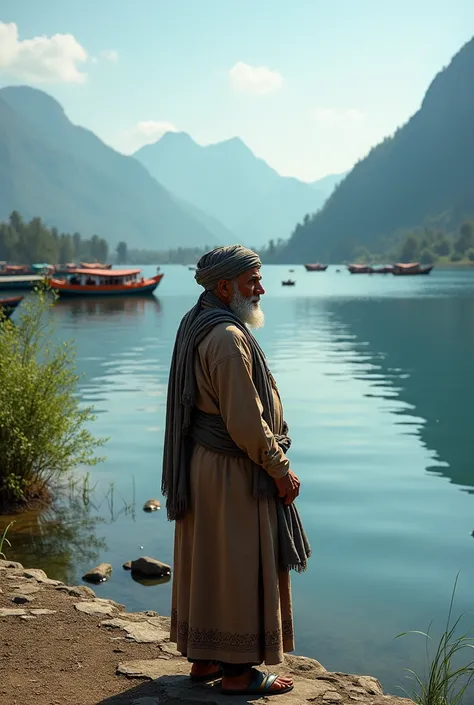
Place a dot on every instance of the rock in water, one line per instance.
(99, 574)
(127, 565)
(150, 566)
(151, 506)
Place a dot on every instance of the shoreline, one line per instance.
(65, 646)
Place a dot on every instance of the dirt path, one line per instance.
(81, 650)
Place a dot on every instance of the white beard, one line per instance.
(247, 309)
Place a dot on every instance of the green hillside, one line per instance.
(64, 174)
(424, 172)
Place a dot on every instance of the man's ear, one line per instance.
(224, 290)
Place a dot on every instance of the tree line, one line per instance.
(427, 244)
(179, 255)
(33, 242)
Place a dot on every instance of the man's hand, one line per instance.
(288, 487)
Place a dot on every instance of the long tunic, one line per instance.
(230, 602)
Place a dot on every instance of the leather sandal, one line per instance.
(260, 684)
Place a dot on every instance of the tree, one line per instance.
(122, 253)
(16, 221)
(43, 432)
(76, 239)
(427, 256)
(442, 247)
(66, 249)
(409, 250)
(466, 238)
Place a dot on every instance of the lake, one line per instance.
(376, 375)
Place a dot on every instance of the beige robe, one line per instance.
(230, 601)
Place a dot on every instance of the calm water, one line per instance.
(377, 379)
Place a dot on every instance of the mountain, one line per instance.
(328, 183)
(426, 169)
(67, 176)
(218, 230)
(226, 180)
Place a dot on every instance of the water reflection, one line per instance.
(55, 539)
(67, 534)
(91, 307)
(422, 349)
(148, 582)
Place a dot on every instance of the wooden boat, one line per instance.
(316, 267)
(19, 282)
(388, 269)
(64, 268)
(9, 270)
(360, 269)
(7, 306)
(288, 282)
(95, 265)
(104, 282)
(410, 269)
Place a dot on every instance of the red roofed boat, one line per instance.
(316, 267)
(104, 282)
(7, 306)
(411, 268)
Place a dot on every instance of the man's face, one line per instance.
(249, 284)
(245, 298)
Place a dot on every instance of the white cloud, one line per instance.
(110, 55)
(254, 79)
(331, 116)
(144, 132)
(54, 59)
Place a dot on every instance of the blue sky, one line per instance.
(309, 85)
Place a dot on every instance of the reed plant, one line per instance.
(3, 539)
(450, 670)
(43, 426)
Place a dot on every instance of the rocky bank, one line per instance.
(62, 645)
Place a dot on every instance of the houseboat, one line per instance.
(7, 306)
(316, 267)
(411, 268)
(386, 269)
(104, 282)
(360, 269)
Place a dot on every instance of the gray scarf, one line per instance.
(186, 425)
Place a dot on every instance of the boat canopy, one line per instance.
(107, 272)
(410, 265)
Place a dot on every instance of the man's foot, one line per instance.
(205, 670)
(256, 681)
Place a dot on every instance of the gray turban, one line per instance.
(224, 263)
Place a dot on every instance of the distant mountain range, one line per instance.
(425, 172)
(173, 193)
(67, 176)
(227, 181)
(328, 183)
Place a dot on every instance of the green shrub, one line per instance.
(42, 424)
(456, 257)
(470, 254)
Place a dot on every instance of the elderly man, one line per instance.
(229, 486)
